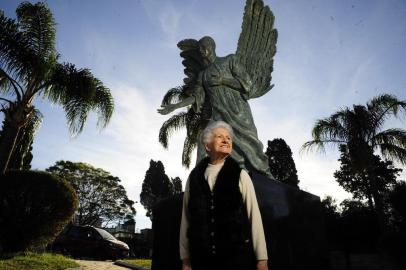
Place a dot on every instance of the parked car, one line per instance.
(91, 242)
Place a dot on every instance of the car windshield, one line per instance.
(105, 234)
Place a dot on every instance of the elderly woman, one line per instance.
(221, 225)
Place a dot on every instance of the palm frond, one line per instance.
(393, 152)
(16, 56)
(174, 123)
(331, 128)
(194, 124)
(77, 112)
(384, 106)
(188, 146)
(394, 136)
(103, 103)
(38, 26)
(316, 145)
(79, 93)
(9, 85)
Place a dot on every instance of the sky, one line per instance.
(330, 54)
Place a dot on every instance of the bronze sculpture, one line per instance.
(218, 88)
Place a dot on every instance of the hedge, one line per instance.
(34, 208)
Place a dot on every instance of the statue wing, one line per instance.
(257, 46)
(193, 63)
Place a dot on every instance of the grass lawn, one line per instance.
(139, 262)
(34, 261)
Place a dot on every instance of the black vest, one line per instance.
(218, 220)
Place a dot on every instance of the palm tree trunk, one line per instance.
(15, 118)
(10, 135)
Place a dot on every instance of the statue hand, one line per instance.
(165, 109)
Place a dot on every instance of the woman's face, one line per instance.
(221, 144)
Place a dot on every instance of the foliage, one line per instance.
(29, 68)
(34, 208)
(156, 186)
(358, 183)
(176, 185)
(360, 129)
(331, 216)
(281, 163)
(101, 196)
(35, 261)
(397, 201)
(360, 230)
(329, 207)
(191, 120)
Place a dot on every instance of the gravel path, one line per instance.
(99, 265)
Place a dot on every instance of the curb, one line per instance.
(131, 266)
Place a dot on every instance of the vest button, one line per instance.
(213, 252)
(212, 220)
(212, 207)
(214, 247)
(212, 233)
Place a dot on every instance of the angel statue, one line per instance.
(218, 88)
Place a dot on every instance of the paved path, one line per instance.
(99, 265)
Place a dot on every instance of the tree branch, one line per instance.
(9, 101)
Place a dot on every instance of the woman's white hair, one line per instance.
(208, 131)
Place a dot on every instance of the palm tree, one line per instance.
(360, 131)
(192, 121)
(29, 68)
(22, 153)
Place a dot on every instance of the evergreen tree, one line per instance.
(157, 186)
(281, 163)
(177, 185)
(359, 183)
(397, 201)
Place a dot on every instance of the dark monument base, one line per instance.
(292, 222)
(293, 226)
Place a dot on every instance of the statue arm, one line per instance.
(165, 109)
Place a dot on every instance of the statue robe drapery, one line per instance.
(229, 104)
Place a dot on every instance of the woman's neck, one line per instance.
(218, 160)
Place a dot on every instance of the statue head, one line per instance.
(208, 49)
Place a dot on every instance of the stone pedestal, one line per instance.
(292, 222)
(293, 226)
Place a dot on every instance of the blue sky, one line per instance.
(331, 54)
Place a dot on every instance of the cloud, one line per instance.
(168, 17)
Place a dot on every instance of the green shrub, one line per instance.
(34, 208)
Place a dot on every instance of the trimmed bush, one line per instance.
(34, 208)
